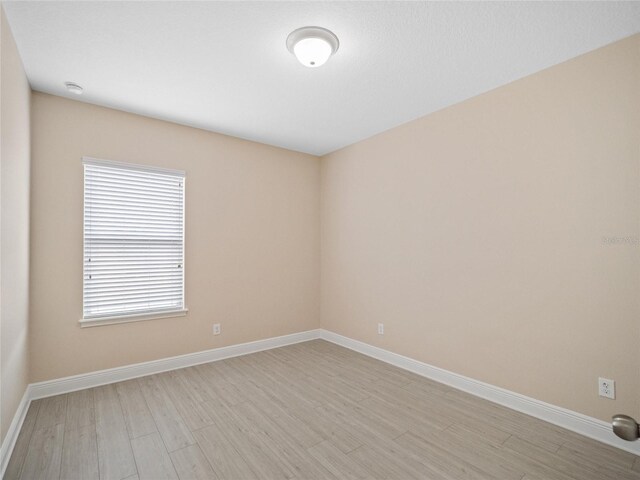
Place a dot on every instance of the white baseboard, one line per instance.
(118, 374)
(14, 430)
(576, 422)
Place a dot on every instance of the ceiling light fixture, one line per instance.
(312, 46)
(73, 88)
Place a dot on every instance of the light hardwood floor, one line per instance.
(306, 411)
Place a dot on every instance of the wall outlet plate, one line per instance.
(381, 329)
(216, 329)
(607, 388)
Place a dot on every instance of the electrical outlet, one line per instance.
(606, 388)
(381, 329)
(216, 329)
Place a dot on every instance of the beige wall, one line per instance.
(14, 226)
(475, 234)
(252, 238)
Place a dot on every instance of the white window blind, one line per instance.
(133, 240)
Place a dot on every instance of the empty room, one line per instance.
(308, 240)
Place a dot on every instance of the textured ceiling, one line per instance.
(223, 66)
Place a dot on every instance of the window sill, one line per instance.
(140, 317)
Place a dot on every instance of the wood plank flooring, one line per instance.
(307, 411)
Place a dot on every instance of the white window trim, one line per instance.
(131, 166)
(140, 317)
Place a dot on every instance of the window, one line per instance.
(133, 242)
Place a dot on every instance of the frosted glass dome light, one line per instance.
(312, 46)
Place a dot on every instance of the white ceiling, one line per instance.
(223, 66)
